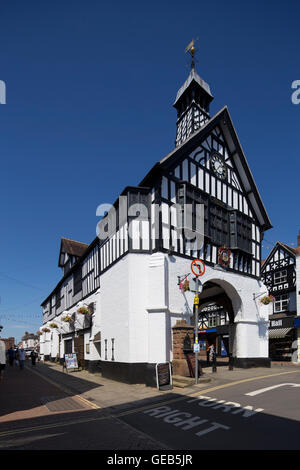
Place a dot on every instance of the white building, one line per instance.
(128, 276)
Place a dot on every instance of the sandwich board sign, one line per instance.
(164, 376)
(71, 361)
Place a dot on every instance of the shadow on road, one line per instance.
(168, 421)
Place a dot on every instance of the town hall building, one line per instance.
(121, 305)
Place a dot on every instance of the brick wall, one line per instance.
(8, 342)
(182, 338)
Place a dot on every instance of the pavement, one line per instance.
(110, 394)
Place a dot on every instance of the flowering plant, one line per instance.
(53, 325)
(39, 333)
(84, 311)
(184, 285)
(46, 330)
(267, 299)
(68, 319)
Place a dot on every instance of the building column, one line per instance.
(183, 340)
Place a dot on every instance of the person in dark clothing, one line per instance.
(33, 356)
(11, 356)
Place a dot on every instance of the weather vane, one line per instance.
(192, 50)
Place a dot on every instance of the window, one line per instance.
(105, 344)
(212, 320)
(77, 280)
(280, 276)
(281, 303)
(112, 349)
(240, 231)
(187, 200)
(218, 225)
(58, 300)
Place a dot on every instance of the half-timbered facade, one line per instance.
(279, 274)
(129, 274)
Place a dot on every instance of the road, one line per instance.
(258, 413)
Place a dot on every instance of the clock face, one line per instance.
(218, 166)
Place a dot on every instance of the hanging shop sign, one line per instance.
(164, 376)
(224, 256)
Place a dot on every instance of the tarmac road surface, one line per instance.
(45, 409)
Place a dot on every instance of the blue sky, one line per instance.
(90, 88)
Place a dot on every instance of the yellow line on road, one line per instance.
(136, 410)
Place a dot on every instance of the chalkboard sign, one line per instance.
(164, 376)
(71, 361)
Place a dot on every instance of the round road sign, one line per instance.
(198, 267)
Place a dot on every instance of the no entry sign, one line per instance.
(198, 267)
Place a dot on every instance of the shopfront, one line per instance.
(282, 334)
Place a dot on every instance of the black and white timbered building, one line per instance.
(279, 274)
(128, 276)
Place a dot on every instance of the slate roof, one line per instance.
(72, 247)
(193, 76)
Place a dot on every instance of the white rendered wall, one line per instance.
(139, 301)
(251, 317)
(113, 317)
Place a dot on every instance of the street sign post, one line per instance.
(198, 269)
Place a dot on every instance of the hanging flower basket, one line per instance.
(184, 285)
(39, 333)
(267, 299)
(84, 311)
(68, 319)
(46, 330)
(53, 325)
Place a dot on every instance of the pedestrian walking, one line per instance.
(33, 356)
(211, 352)
(208, 349)
(11, 356)
(17, 357)
(2, 358)
(22, 357)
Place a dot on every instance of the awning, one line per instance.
(279, 332)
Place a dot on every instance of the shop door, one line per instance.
(68, 346)
(79, 350)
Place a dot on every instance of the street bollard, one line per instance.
(230, 362)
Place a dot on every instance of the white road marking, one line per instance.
(262, 390)
(225, 406)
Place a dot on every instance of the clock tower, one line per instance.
(192, 104)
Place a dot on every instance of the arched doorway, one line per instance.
(216, 321)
